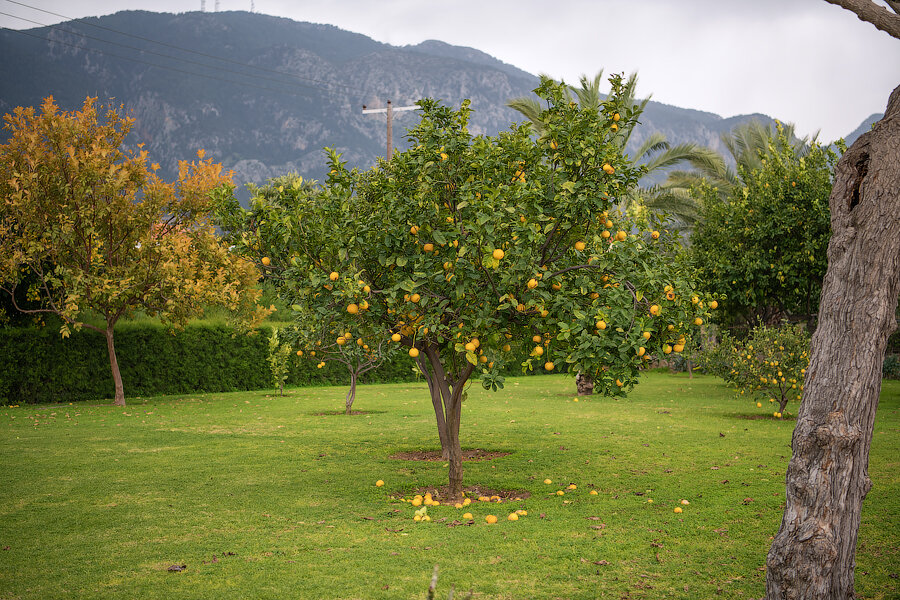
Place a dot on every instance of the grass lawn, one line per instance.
(265, 497)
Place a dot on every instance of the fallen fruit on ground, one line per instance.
(490, 519)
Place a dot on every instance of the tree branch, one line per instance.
(877, 15)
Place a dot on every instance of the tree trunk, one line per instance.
(813, 555)
(584, 383)
(455, 460)
(449, 396)
(436, 403)
(351, 393)
(114, 365)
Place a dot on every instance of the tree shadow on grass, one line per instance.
(343, 413)
(760, 417)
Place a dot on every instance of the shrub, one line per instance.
(891, 369)
(37, 365)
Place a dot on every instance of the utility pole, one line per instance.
(390, 118)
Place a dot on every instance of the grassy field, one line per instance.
(266, 497)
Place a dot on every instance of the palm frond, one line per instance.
(655, 143)
(530, 108)
(589, 93)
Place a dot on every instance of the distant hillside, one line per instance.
(863, 127)
(264, 95)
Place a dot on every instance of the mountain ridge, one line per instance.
(264, 95)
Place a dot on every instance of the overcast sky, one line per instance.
(803, 61)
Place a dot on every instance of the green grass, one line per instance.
(98, 501)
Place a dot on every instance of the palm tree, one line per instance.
(747, 145)
(655, 153)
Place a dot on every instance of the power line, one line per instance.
(137, 60)
(160, 54)
(179, 48)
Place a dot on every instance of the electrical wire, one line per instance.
(168, 68)
(311, 81)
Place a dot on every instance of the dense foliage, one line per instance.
(89, 227)
(464, 247)
(764, 245)
(767, 367)
(36, 365)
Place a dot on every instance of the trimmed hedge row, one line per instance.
(37, 365)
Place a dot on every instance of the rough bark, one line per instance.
(351, 394)
(875, 14)
(813, 555)
(114, 365)
(584, 384)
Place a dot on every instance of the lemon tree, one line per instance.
(765, 246)
(87, 225)
(467, 248)
(766, 368)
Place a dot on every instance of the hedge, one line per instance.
(37, 365)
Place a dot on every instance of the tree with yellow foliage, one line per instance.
(88, 223)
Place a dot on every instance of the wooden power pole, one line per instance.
(390, 118)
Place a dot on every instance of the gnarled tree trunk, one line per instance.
(584, 383)
(813, 555)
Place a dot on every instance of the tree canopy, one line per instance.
(763, 243)
(92, 231)
(466, 247)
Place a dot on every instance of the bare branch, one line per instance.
(875, 14)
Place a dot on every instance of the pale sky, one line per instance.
(802, 61)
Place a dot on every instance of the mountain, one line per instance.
(863, 127)
(263, 95)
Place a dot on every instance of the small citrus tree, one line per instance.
(465, 247)
(358, 354)
(279, 359)
(768, 367)
(87, 224)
